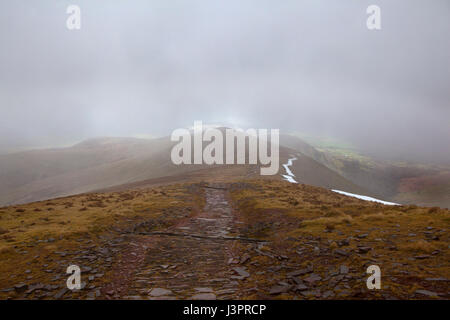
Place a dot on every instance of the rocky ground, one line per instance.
(238, 240)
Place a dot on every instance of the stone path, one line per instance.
(177, 267)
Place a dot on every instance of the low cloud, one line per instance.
(148, 67)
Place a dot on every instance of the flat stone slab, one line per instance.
(343, 269)
(427, 293)
(204, 296)
(312, 278)
(279, 289)
(204, 290)
(241, 272)
(159, 292)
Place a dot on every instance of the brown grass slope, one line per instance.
(101, 163)
(315, 237)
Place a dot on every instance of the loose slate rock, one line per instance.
(312, 278)
(159, 292)
(343, 269)
(204, 290)
(204, 296)
(279, 289)
(245, 258)
(422, 257)
(301, 287)
(427, 293)
(300, 272)
(341, 252)
(312, 293)
(61, 293)
(241, 272)
(436, 279)
(21, 287)
(364, 249)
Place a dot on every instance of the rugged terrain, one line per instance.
(223, 238)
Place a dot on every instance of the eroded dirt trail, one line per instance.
(180, 267)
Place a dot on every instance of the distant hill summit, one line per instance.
(125, 162)
(108, 162)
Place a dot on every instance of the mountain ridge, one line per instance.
(101, 163)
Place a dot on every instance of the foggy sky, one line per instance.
(149, 67)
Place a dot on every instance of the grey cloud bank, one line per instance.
(153, 66)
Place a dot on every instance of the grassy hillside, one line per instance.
(318, 244)
(333, 234)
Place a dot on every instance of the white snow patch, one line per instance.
(289, 176)
(365, 198)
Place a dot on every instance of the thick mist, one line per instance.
(149, 67)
